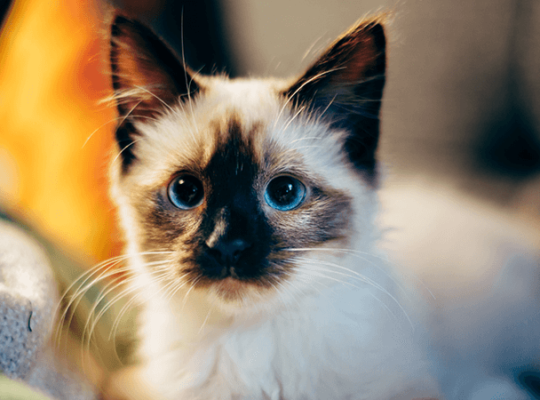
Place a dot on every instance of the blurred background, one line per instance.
(460, 121)
(462, 103)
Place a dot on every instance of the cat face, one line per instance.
(236, 182)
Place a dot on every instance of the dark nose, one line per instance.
(228, 252)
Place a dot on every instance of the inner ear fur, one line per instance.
(345, 86)
(147, 78)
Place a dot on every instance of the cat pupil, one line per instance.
(285, 193)
(186, 192)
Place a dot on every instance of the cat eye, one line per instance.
(186, 192)
(284, 193)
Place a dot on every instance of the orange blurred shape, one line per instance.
(55, 136)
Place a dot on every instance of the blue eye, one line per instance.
(284, 193)
(186, 192)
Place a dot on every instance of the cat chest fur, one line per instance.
(326, 350)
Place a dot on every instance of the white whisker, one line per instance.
(307, 82)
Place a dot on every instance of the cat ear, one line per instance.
(345, 87)
(147, 78)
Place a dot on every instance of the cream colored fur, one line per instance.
(341, 327)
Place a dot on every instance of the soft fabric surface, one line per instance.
(28, 299)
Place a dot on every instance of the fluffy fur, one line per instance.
(325, 317)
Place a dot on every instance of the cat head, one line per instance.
(234, 187)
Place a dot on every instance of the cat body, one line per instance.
(249, 212)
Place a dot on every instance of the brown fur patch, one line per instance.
(234, 179)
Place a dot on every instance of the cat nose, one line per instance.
(228, 252)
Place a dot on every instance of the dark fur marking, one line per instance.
(149, 63)
(350, 96)
(233, 205)
(232, 181)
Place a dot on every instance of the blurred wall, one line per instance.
(56, 135)
(462, 102)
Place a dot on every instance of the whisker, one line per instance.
(172, 288)
(314, 78)
(188, 84)
(358, 254)
(362, 255)
(155, 96)
(319, 117)
(293, 118)
(78, 295)
(361, 278)
(87, 280)
(205, 321)
(104, 292)
(125, 148)
(189, 291)
(92, 320)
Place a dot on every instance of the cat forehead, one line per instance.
(246, 114)
(253, 98)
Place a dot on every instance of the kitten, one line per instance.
(249, 207)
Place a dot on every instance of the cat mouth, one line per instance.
(231, 283)
(229, 272)
(243, 280)
(218, 273)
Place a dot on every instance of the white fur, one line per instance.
(339, 328)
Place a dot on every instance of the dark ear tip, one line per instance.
(376, 28)
(120, 19)
(372, 26)
(122, 23)
(116, 23)
(379, 35)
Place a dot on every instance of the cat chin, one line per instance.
(236, 297)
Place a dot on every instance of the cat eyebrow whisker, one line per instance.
(321, 114)
(188, 84)
(98, 128)
(142, 88)
(312, 79)
(116, 119)
(310, 48)
(124, 149)
(292, 119)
